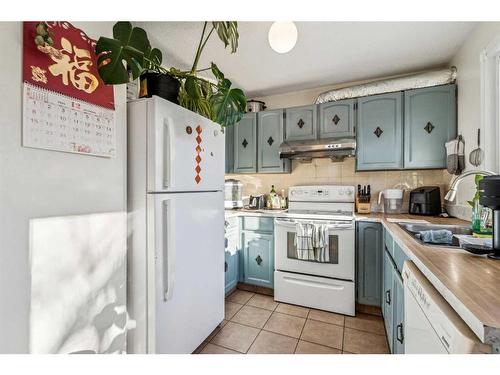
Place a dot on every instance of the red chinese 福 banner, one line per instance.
(68, 67)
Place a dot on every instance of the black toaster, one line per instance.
(425, 200)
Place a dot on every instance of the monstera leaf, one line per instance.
(228, 104)
(228, 33)
(127, 49)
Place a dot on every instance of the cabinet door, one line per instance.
(270, 130)
(430, 122)
(258, 259)
(245, 144)
(398, 341)
(231, 260)
(380, 132)
(301, 123)
(369, 263)
(336, 119)
(229, 133)
(388, 297)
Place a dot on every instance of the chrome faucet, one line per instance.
(450, 195)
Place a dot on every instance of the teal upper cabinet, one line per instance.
(379, 132)
(369, 246)
(245, 144)
(301, 123)
(270, 131)
(336, 119)
(430, 122)
(258, 263)
(229, 132)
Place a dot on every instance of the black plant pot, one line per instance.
(159, 84)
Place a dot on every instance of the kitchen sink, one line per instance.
(414, 229)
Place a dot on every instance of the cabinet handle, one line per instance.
(301, 123)
(336, 119)
(258, 260)
(388, 297)
(400, 334)
(225, 266)
(270, 141)
(429, 128)
(244, 143)
(378, 132)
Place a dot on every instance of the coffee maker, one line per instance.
(489, 196)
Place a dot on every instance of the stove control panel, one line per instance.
(325, 193)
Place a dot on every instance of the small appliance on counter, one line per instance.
(257, 202)
(363, 199)
(233, 194)
(393, 200)
(425, 200)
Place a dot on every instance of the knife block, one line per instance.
(363, 205)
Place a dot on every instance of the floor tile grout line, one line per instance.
(211, 341)
(365, 331)
(302, 330)
(259, 333)
(315, 343)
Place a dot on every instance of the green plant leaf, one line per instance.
(477, 179)
(216, 72)
(228, 104)
(155, 57)
(126, 50)
(191, 96)
(228, 33)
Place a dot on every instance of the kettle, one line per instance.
(393, 200)
(257, 202)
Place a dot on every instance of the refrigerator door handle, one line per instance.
(166, 158)
(168, 249)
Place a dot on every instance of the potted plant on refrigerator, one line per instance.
(129, 55)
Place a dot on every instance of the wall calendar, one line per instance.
(58, 122)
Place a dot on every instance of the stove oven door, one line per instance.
(338, 263)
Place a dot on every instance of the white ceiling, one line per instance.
(326, 52)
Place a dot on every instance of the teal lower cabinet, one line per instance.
(258, 258)
(393, 294)
(369, 253)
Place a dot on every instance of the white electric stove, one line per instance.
(326, 283)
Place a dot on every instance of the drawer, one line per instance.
(389, 242)
(399, 257)
(316, 292)
(260, 224)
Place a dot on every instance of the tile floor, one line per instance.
(256, 324)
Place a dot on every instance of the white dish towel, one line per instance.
(320, 244)
(304, 241)
(311, 241)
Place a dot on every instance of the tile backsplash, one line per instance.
(324, 172)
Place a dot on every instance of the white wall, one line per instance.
(38, 183)
(469, 102)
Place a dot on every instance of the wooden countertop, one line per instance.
(470, 283)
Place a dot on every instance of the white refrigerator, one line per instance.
(176, 227)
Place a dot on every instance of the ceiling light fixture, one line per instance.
(282, 36)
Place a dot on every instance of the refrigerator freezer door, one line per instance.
(188, 257)
(186, 151)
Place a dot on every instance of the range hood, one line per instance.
(305, 151)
